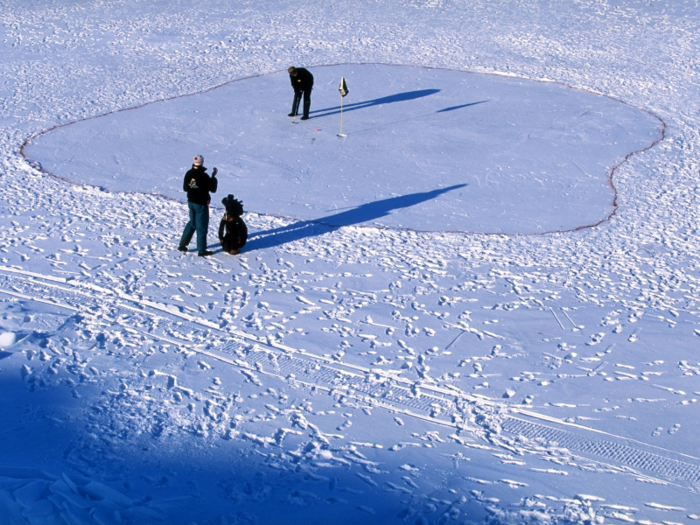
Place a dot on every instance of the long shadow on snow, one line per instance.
(399, 97)
(452, 108)
(55, 449)
(364, 213)
(90, 448)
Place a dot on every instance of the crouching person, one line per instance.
(233, 232)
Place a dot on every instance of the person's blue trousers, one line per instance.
(199, 222)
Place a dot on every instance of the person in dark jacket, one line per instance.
(198, 184)
(302, 82)
(233, 232)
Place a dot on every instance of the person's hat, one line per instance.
(198, 160)
(290, 69)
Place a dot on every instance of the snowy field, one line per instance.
(480, 306)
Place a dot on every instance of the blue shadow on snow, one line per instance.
(460, 107)
(363, 213)
(399, 97)
(452, 108)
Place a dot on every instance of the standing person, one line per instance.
(302, 82)
(198, 184)
(233, 232)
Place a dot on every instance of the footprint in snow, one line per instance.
(345, 425)
(657, 431)
(675, 428)
(596, 339)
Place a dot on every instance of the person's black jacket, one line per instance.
(302, 79)
(198, 184)
(233, 233)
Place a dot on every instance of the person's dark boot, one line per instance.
(205, 253)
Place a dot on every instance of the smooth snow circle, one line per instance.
(425, 149)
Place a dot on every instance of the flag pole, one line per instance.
(343, 88)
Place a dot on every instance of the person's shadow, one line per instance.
(398, 97)
(364, 213)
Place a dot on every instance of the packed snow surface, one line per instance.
(479, 306)
(426, 149)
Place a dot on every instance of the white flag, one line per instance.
(343, 88)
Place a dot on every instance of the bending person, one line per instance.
(302, 82)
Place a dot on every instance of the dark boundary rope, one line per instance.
(611, 175)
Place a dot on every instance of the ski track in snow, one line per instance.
(361, 375)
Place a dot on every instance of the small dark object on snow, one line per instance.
(233, 232)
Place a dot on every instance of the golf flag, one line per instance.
(343, 88)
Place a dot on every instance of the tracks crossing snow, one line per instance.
(470, 415)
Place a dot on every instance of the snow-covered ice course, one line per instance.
(413, 131)
(480, 305)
